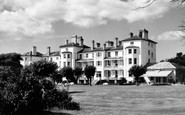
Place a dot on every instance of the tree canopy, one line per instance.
(137, 71)
(68, 73)
(89, 71)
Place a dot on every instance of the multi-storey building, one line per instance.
(112, 60)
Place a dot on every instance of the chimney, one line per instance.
(81, 41)
(131, 34)
(120, 43)
(104, 46)
(141, 33)
(34, 50)
(48, 50)
(74, 39)
(92, 45)
(145, 34)
(97, 45)
(66, 41)
(116, 42)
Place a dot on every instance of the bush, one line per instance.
(30, 93)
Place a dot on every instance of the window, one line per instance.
(56, 58)
(64, 63)
(25, 58)
(131, 43)
(68, 55)
(152, 54)
(116, 62)
(98, 54)
(98, 63)
(51, 59)
(116, 53)
(93, 55)
(158, 80)
(130, 61)
(148, 52)
(64, 55)
(135, 51)
(98, 74)
(151, 45)
(116, 73)
(108, 73)
(86, 55)
(129, 51)
(148, 43)
(108, 54)
(148, 60)
(135, 60)
(80, 56)
(68, 63)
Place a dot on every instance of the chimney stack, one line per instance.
(74, 39)
(92, 45)
(97, 45)
(145, 34)
(131, 34)
(81, 41)
(66, 41)
(141, 33)
(120, 43)
(116, 42)
(104, 46)
(34, 50)
(48, 50)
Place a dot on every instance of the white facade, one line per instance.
(113, 60)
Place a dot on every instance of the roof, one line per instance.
(132, 47)
(138, 38)
(56, 53)
(161, 65)
(100, 49)
(31, 54)
(157, 73)
(73, 45)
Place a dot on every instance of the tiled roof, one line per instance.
(132, 47)
(73, 45)
(100, 49)
(161, 66)
(138, 38)
(56, 53)
(29, 54)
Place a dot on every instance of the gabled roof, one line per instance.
(100, 49)
(56, 53)
(132, 47)
(31, 54)
(138, 38)
(73, 45)
(161, 66)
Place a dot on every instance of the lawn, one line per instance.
(128, 100)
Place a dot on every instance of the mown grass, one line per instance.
(128, 100)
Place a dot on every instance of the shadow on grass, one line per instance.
(55, 113)
(72, 92)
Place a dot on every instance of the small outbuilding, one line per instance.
(164, 73)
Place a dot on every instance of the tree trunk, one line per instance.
(90, 81)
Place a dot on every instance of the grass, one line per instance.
(128, 100)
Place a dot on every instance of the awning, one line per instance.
(156, 73)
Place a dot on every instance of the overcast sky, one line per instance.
(43, 23)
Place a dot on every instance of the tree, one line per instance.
(30, 92)
(10, 59)
(68, 73)
(137, 71)
(89, 72)
(77, 72)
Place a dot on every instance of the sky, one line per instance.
(43, 23)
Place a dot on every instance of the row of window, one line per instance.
(66, 55)
(99, 54)
(130, 51)
(67, 64)
(132, 61)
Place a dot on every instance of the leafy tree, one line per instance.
(89, 72)
(31, 93)
(137, 71)
(43, 68)
(77, 72)
(10, 59)
(68, 73)
(179, 59)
